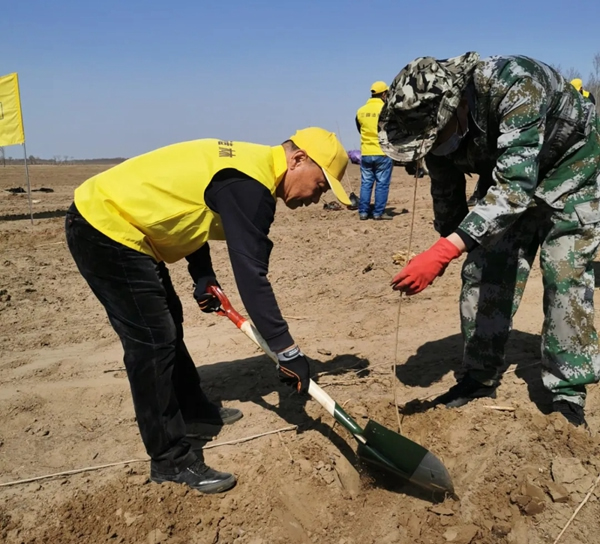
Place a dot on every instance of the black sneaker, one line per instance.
(198, 476)
(573, 412)
(211, 415)
(465, 391)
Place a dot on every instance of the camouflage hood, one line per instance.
(420, 102)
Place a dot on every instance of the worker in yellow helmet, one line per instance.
(375, 165)
(578, 84)
(166, 205)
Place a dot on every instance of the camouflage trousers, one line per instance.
(493, 283)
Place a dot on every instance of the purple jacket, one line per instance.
(354, 156)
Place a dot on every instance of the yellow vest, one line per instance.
(155, 204)
(368, 117)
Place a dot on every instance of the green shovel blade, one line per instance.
(396, 453)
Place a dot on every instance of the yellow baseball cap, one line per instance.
(577, 83)
(325, 149)
(379, 87)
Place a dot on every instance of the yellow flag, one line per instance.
(11, 120)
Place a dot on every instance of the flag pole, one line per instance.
(25, 153)
(28, 184)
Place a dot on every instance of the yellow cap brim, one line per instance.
(337, 188)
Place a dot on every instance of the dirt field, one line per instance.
(519, 475)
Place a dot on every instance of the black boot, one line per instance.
(573, 412)
(198, 476)
(209, 414)
(219, 415)
(465, 391)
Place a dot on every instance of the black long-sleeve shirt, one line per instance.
(247, 210)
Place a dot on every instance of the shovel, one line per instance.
(377, 445)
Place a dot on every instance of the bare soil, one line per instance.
(519, 474)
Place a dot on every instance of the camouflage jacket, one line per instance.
(531, 136)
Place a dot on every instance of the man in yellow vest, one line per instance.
(375, 166)
(163, 206)
(578, 84)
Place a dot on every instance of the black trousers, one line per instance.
(146, 313)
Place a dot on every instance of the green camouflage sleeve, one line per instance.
(448, 191)
(522, 114)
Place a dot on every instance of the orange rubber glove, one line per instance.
(421, 270)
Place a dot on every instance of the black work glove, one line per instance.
(294, 369)
(208, 303)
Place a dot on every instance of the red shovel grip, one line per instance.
(226, 308)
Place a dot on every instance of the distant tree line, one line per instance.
(58, 159)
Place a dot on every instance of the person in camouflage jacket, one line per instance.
(535, 143)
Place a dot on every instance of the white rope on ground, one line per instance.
(130, 461)
(501, 408)
(69, 472)
(578, 508)
(240, 440)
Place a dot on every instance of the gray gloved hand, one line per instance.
(294, 369)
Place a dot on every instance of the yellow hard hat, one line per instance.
(325, 149)
(379, 87)
(577, 83)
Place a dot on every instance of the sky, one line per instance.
(121, 77)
